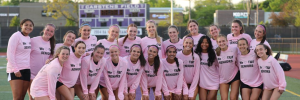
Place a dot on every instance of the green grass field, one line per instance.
(6, 94)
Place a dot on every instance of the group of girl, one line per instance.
(179, 68)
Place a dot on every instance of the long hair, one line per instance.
(192, 50)
(52, 39)
(83, 24)
(126, 36)
(156, 60)
(57, 52)
(218, 49)
(77, 45)
(158, 38)
(114, 25)
(211, 53)
(141, 57)
(176, 59)
(209, 32)
(264, 32)
(96, 47)
(240, 24)
(188, 23)
(269, 51)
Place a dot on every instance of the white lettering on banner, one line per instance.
(240, 14)
(105, 32)
(112, 6)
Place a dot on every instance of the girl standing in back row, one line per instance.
(126, 42)
(193, 30)
(260, 34)
(214, 31)
(174, 40)
(237, 30)
(112, 38)
(87, 38)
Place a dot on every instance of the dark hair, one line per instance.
(83, 24)
(241, 39)
(141, 57)
(176, 59)
(69, 31)
(218, 49)
(52, 39)
(269, 51)
(156, 60)
(187, 27)
(240, 24)
(79, 43)
(25, 20)
(265, 33)
(192, 50)
(126, 36)
(211, 53)
(98, 46)
(173, 26)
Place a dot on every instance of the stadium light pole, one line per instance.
(171, 12)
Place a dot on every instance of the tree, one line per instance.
(159, 3)
(278, 20)
(15, 21)
(249, 6)
(6, 3)
(273, 5)
(292, 12)
(70, 23)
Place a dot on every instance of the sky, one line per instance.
(185, 3)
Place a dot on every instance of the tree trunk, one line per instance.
(249, 5)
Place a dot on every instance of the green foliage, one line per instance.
(15, 21)
(70, 23)
(267, 24)
(6, 3)
(159, 3)
(164, 23)
(292, 12)
(261, 22)
(273, 5)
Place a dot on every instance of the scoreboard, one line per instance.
(103, 15)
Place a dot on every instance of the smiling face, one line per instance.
(85, 31)
(132, 31)
(261, 51)
(114, 52)
(171, 53)
(222, 42)
(98, 54)
(26, 28)
(63, 55)
(204, 44)
(243, 45)
(173, 33)
(152, 52)
(69, 39)
(188, 44)
(80, 49)
(259, 32)
(236, 28)
(193, 28)
(151, 29)
(113, 32)
(135, 52)
(48, 32)
(214, 31)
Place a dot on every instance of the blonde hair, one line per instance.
(114, 25)
(57, 52)
(158, 38)
(218, 49)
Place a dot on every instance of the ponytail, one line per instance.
(52, 39)
(177, 63)
(218, 51)
(265, 33)
(156, 64)
(125, 38)
(130, 25)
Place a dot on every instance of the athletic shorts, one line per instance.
(25, 75)
(236, 77)
(243, 85)
(58, 84)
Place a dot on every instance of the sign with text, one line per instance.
(240, 14)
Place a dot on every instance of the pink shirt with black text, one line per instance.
(209, 75)
(196, 39)
(90, 43)
(134, 74)
(146, 42)
(106, 44)
(254, 43)
(125, 47)
(232, 41)
(165, 44)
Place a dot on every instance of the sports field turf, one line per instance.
(292, 90)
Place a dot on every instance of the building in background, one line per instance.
(225, 17)
(164, 14)
(7, 13)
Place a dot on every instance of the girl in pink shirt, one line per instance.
(173, 74)
(174, 40)
(152, 39)
(68, 39)
(42, 48)
(209, 75)
(43, 85)
(136, 64)
(18, 60)
(192, 26)
(114, 72)
(112, 38)
(126, 42)
(271, 72)
(152, 77)
(251, 80)
(90, 73)
(228, 69)
(87, 38)
(237, 30)
(191, 66)
(70, 73)
(260, 37)
(214, 31)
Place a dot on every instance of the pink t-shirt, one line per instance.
(214, 43)
(232, 41)
(134, 74)
(90, 73)
(44, 84)
(254, 43)
(174, 76)
(165, 44)
(90, 43)
(249, 69)
(125, 48)
(18, 53)
(146, 42)
(150, 79)
(40, 52)
(209, 75)
(272, 74)
(191, 72)
(70, 71)
(114, 77)
(106, 44)
(196, 39)
(228, 64)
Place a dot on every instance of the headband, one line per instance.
(154, 47)
(151, 21)
(135, 45)
(113, 46)
(86, 24)
(188, 37)
(171, 46)
(262, 27)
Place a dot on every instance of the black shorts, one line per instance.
(58, 84)
(243, 85)
(100, 86)
(236, 77)
(25, 75)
